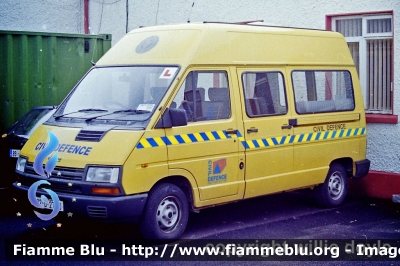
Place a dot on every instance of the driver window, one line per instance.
(204, 95)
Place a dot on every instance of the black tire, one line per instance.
(334, 190)
(166, 213)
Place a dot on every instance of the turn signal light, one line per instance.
(105, 190)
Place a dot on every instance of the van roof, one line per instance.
(228, 44)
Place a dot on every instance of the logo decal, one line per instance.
(49, 167)
(215, 171)
(219, 166)
(147, 44)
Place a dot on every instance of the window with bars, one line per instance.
(370, 40)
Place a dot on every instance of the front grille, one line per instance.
(90, 135)
(97, 211)
(59, 172)
(55, 186)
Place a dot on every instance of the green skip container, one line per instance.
(39, 68)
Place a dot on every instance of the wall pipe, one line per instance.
(86, 16)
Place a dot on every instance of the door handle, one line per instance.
(252, 130)
(231, 131)
(287, 127)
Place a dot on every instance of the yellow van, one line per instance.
(177, 118)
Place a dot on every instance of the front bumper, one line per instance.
(361, 168)
(100, 207)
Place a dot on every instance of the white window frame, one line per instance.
(362, 40)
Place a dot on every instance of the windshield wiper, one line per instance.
(118, 112)
(82, 110)
(92, 109)
(131, 110)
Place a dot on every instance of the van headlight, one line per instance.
(21, 162)
(102, 174)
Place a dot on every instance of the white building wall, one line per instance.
(42, 15)
(292, 13)
(113, 16)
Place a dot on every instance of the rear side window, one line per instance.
(322, 91)
(264, 93)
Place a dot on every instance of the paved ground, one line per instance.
(283, 216)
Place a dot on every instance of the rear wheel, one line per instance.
(166, 213)
(334, 190)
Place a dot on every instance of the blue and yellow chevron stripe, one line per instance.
(301, 138)
(248, 144)
(185, 138)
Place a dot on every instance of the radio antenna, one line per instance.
(249, 22)
(158, 7)
(190, 13)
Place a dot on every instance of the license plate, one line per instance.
(49, 204)
(14, 153)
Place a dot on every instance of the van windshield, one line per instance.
(118, 93)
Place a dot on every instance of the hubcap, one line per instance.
(168, 213)
(335, 185)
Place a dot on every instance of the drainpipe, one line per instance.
(86, 16)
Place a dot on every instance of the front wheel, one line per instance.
(166, 213)
(334, 190)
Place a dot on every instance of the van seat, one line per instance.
(344, 104)
(256, 106)
(315, 106)
(200, 93)
(188, 104)
(218, 107)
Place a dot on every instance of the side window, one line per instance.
(204, 95)
(322, 91)
(264, 93)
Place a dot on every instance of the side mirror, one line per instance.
(172, 117)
